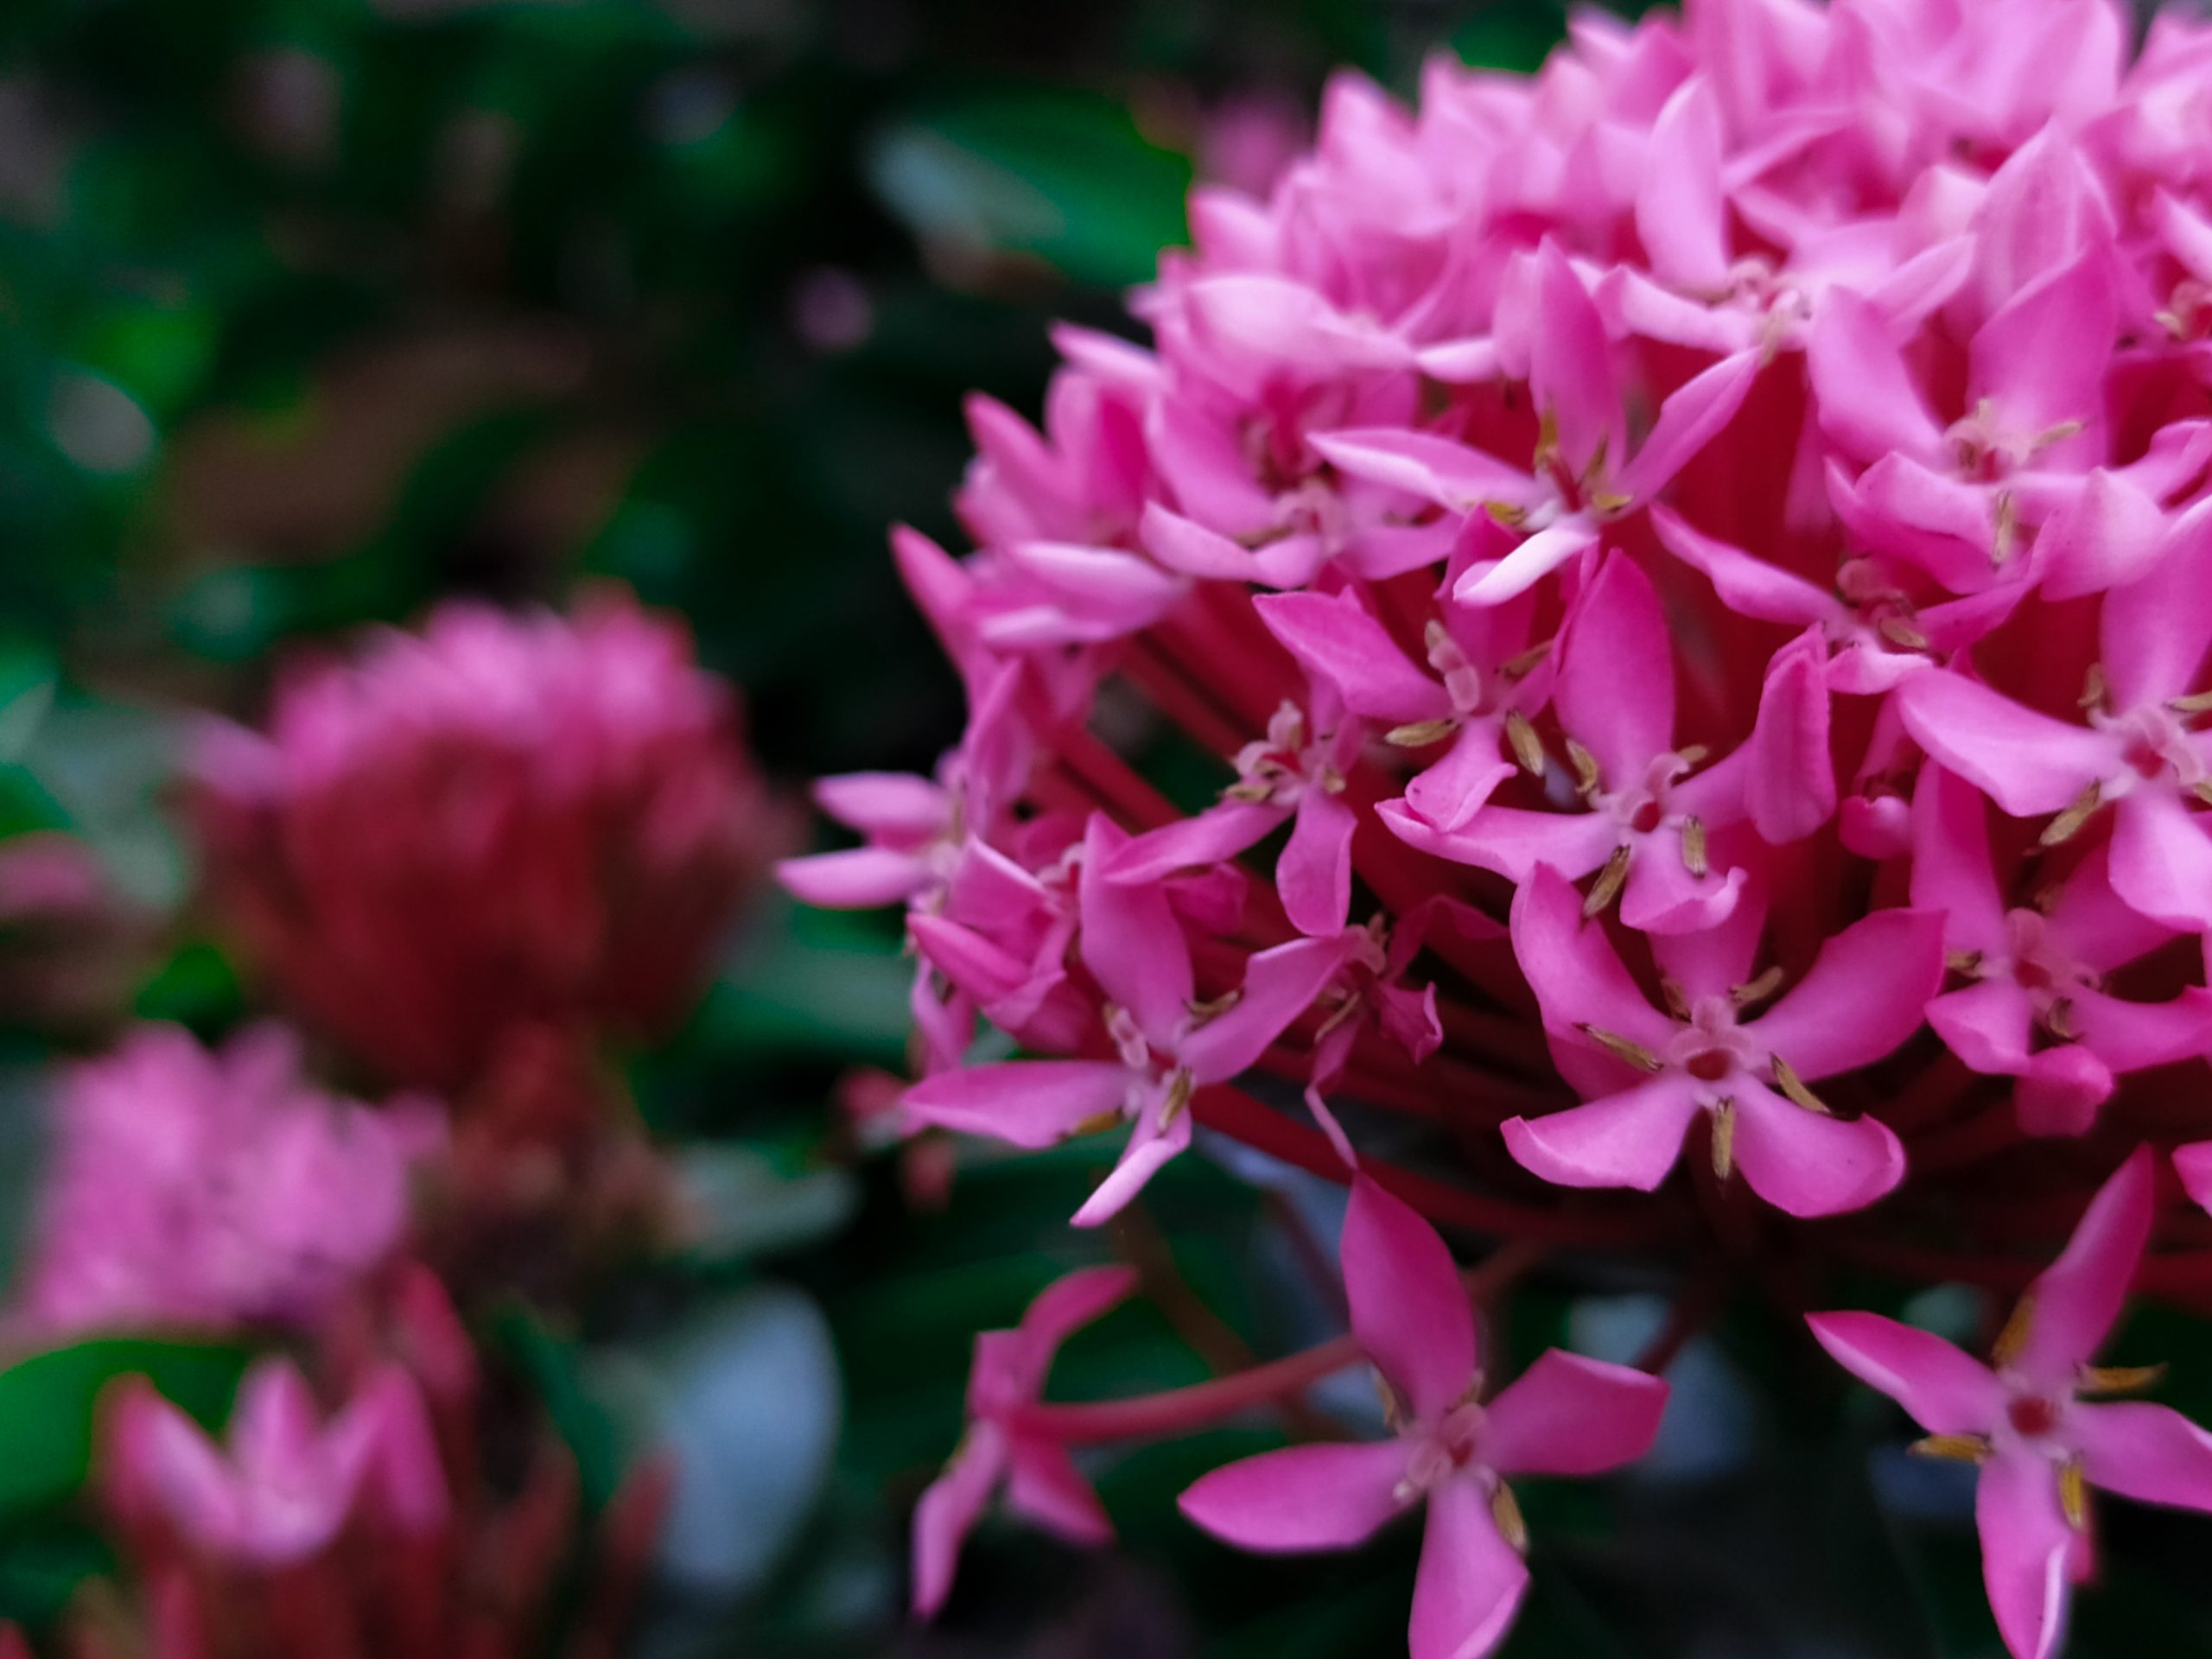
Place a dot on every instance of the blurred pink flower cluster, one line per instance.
(1695, 570)
(467, 861)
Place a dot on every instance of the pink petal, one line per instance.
(1945, 1391)
(2060, 1089)
(1340, 645)
(1571, 365)
(1152, 1147)
(885, 802)
(1421, 464)
(1988, 1025)
(1510, 841)
(2150, 1454)
(1690, 419)
(2194, 1165)
(1806, 1163)
(2028, 763)
(2094, 924)
(1527, 564)
(949, 1511)
(2027, 1552)
(1303, 1497)
(2043, 358)
(2156, 629)
(1044, 1485)
(1792, 789)
(2079, 1296)
(1951, 868)
(1631, 1138)
(1569, 1416)
(1865, 993)
(1868, 402)
(1715, 960)
(1577, 978)
(1662, 896)
(2162, 859)
(861, 878)
(1071, 1301)
(1130, 940)
(1682, 217)
(1470, 1580)
(1615, 693)
(1222, 831)
(2129, 1036)
(1184, 544)
(1314, 872)
(1450, 791)
(1028, 1104)
(2108, 533)
(1748, 585)
(1408, 1309)
(1280, 984)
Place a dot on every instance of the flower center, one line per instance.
(2033, 1417)
(1710, 1065)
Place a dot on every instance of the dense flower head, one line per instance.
(1695, 568)
(500, 823)
(190, 1188)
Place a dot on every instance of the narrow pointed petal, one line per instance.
(1944, 1390)
(2028, 763)
(885, 802)
(1571, 365)
(1131, 941)
(1615, 694)
(1528, 565)
(2156, 629)
(2162, 859)
(1029, 1103)
(948, 1513)
(1571, 966)
(1449, 793)
(1408, 1309)
(1865, 995)
(2043, 358)
(1806, 1163)
(2059, 1090)
(1073, 1300)
(1436, 469)
(1951, 868)
(1988, 1025)
(1714, 961)
(1303, 1497)
(1314, 872)
(1339, 644)
(1748, 585)
(1184, 544)
(2193, 1163)
(2027, 1552)
(861, 878)
(2079, 1296)
(1682, 217)
(1664, 896)
(1689, 420)
(1791, 787)
(1632, 1138)
(2150, 1454)
(1151, 1149)
(1044, 1485)
(1470, 1580)
(2129, 1036)
(1511, 841)
(1570, 1415)
(1222, 831)
(1280, 984)
(1868, 402)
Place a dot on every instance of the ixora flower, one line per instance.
(1694, 569)
(193, 1189)
(2031, 1419)
(1454, 1452)
(503, 822)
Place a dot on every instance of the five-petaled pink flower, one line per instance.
(1564, 1415)
(1041, 1479)
(2025, 1419)
(1648, 1073)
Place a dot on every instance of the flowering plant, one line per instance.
(1695, 569)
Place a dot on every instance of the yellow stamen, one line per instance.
(1954, 1448)
(2014, 1337)
(1964, 963)
(1611, 880)
(1623, 1048)
(1724, 1139)
(1757, 990)
(2121, 1379)
(1202, 1012)
(2074, 1494)
(1420, 734)
(1694, 859)
(1793, 1087)
(1586, 777)
(1527, 748)
(1505, 1509)
(2094, 688)
(2067, 824)
(2197, 703)
(1898, 632)
(1179, 1088)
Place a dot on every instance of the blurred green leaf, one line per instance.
(47, 1408)
(1063, 176)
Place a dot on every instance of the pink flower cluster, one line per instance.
(1695, 568)
(191, 1189)
(463, 838)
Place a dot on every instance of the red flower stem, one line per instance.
(1155, 1416)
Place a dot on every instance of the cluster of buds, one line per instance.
(1696, 569)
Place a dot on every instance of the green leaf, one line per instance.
(1063, 177)
(48, 1406)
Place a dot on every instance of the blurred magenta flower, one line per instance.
(505, 821)
(211, 1190)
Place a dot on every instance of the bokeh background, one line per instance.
(313, 312)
